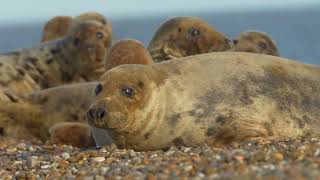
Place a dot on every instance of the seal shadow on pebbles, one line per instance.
(72, 101)
(185, 36)
(255, 42)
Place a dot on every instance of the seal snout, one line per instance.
(96, 114)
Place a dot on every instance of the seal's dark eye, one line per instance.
(127, 91)
(263, 45)
(194, 32)
(99, 35)
(98, 89)
(235, 42)
(76, 41)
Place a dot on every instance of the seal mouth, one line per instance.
(97, 117)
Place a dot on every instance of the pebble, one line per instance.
(99, 159)
(45, 166)
(65, 155)
(251, 160)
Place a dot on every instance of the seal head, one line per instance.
(127, 51)
(88, 42)
(56, 28)
(255, 42)
(185, 36)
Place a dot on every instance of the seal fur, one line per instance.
(185, 36)
(214, 98)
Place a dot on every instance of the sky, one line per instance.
(20, 11)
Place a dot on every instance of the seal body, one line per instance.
(76, 57)
(214, 98)
(185, 36)
(255, 42)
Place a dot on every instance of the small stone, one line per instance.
(30, 148)
(187, 149)
(97, 177)
(11, 149)
(104, 170)
(63, 164)
(22, 146)
(65, 155)
(188, 168)
(45, 167)
(317, 153)
(278, 156)
(30, 162)
(99, 159)
(239, 158)
(169, 153)
(74, 170)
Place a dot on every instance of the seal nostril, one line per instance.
(100, 113)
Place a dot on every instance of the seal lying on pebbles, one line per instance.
(56, 28)
(255, 42)
(185, 36)
(214, 98)
(77, 56)
(72, 101)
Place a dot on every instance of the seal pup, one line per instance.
(255, 42)
(185, 36)
(214, 98)
(78, 56)
(56, 28)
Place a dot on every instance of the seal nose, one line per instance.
(96, 113)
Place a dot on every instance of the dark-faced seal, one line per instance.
(255, 42)
(215, 98)
(185, 36)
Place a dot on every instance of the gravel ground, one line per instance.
(290, 159)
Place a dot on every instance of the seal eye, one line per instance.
(76, 42)
(127, 91)
(98, 89)
(263, 45)
(99, 35)
(194, 32)
(235, 42)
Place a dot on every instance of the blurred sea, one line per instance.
(296, 31)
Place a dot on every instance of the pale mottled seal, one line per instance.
(185, 36)
(255, 42)
(56, 28)
(215, 98)
(78, 56)
(71, 102)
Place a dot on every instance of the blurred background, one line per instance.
(292, 23)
